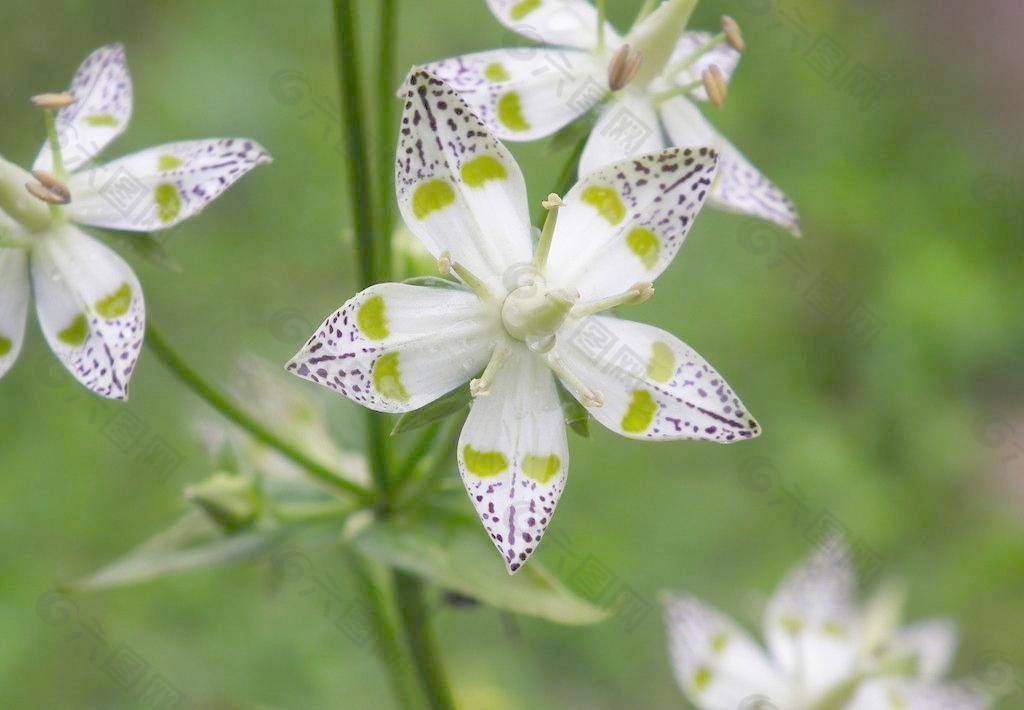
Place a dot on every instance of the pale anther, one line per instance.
(53, 183)
(733, 35)
(444, 264)
(623, 68)
(52, 101)
(714, 84)
(41, 192)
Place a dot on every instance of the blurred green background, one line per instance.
(882, 353)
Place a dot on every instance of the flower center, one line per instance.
(532, 312)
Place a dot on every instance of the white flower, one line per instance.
(88, 300)
(529, 319)
(825, 651)
(524, 94)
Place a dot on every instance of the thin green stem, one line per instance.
(420, 448)
(675, 91)
(420, 639)
(387, 648)
(645, 10)
(688, 62)
(361, 202)
(159, 346)
(51, 137)
(387, 43)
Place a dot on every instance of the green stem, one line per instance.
(688, 62)
(420, 638)
(166, 354)
(58, 161)
(388, 41)
(419, 449)
(362, 202)
(387, 648)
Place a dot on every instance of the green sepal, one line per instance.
(452, 403)
(576, 415)
(435, 282)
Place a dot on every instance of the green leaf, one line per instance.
(456, 554)
(195, 542)
(576, 415)
(455, 401)
(435, 282)
(145, 244)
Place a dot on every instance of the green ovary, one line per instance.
(640, 413)
(541, 468)
(116, 304)
(522, 9)
(430, 197)
(387, 380)
(76, 333)
(510, 112)
(5, 345)
(483, 463)
(662, 364)
(479, 170)
(371, 319)
(168, 202)
(606, 201)
(644, 244)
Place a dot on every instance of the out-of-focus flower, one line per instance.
(88, 299)
(825, 651)
(644, 86)
(523, 318)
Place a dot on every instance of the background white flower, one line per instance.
(527, 313)
(526, 94)
(825, 650)
(88, 299)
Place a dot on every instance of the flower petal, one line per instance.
(740, 187)
(626, 222)
(527, 93)
(723, 56)
(103, 105)
(931, 644)
(628, 126)
(459, 189)
(159, 187)
(654, 386)
(567, 23)
(715, 662)
(90, 308)
(14, 298)
(514, 457)
(396, 347)
(810, 621)
(890, 693)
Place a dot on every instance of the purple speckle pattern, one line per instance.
(106, 361)
(121, 194)
(521, 416)
(743, 188)
(661, 192)
(695, 402)
(101, 87)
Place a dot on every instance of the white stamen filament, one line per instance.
(552, 205)
(446, 266)
(587, 396)
(636, 294)
(481, 386)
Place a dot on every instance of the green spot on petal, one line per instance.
(662, 364)
(641, 412)
(834, 629)
(431, 196)
(792, 624)
(523, 8)
(510, 112)
(644, 244)
(116, 304)
(168, 162)
(483, 463)
(371, 319)
(387, 380)
(496, 72)
(541, 468)
(479, 170)
(701, 678)
(101, 119)
(5, 345)
(168, 202)
(606, 201)
(719, 642)
(76, 333)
